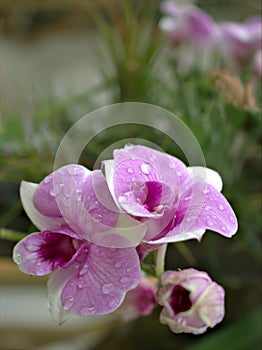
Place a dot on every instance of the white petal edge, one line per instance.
(206, 175)
(27, 190)
(109, 174)
(180, 237)
(55, 287)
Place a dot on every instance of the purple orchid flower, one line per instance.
(140, 301)
(174, 202)
(73, 207)
(240, 41)
(187, 23)
(192, 301)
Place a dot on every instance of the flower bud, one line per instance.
(140, 301)
(192, 301)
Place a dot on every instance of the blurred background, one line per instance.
(63, 59)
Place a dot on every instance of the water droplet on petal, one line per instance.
(223, 228)
(118, 264)
(83, 270)
(205, 191)
(124, 279)
(112, 303)
(68, 303)
(130, 170)
(210, 223)
(221, 207)
(107, 288)
(52, 192)
(207, 207)
(145, 168)
(73, 171)
(48, 179)
(81, 283)
(86, 310)
(232, 219)
(187, 198)
(18, 258)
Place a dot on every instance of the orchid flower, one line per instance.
(192, 301)
(173, 201)
(239, 41)
(140, 301)
(187, 23)
(71, 207)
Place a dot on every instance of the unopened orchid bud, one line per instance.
(192, 301)
(140, 301)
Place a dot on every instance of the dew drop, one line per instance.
(73, 171)
(232, 219)
(187, 198)
(81, 283)
(130, 170)
(112, 303)
(221, 207)
(68, 303)
(145, 168)
(205, 191)
(83, 270)
(86, 310)
(124, 279)
(52, 192)
(18, 258)
(128, 270)
(172, 166)
(118, 264)
(223, 228)
(210, 223)
(48, 179)
(107, 288)
(207, 208)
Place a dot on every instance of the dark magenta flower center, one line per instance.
(57, 249)
(180, 300)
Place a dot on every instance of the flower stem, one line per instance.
(11, 235)
(160, 260)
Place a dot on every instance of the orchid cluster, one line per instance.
(97, 227)
(239, 44)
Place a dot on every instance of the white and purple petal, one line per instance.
(98, 280)
(43, 222)
(142, 180)
(42, 252)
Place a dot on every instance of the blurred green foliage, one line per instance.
(141, 68)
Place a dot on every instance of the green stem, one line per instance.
(160, 260)
(11, 235)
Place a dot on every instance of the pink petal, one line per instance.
(195, 215)
(27, 192)
(59, 182)
(41, 252)
(98, 280)
(135, 165)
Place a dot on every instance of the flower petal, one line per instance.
(27, 191)
(206, 175)
(89, 209)
(41, 252)
(98, 280)
(195, 215)
(55, 285)
(139, 164)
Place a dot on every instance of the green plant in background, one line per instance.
(141, 67)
